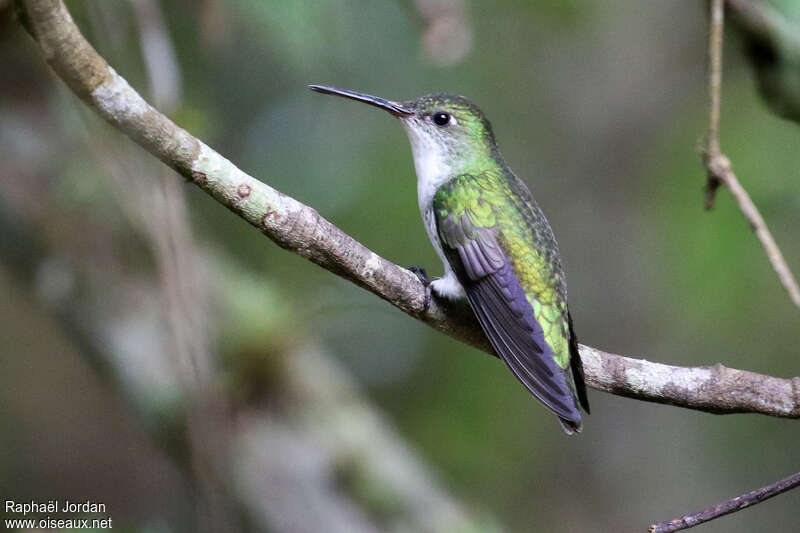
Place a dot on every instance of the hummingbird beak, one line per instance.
(392, 107)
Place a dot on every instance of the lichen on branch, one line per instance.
(302, 230)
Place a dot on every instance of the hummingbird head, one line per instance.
(448, 133)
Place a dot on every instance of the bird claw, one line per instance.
(422, 276)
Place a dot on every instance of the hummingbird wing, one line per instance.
(477, 217)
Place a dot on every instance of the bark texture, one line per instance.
(302, 230)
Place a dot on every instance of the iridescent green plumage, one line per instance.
(496, 246)
(496, 199)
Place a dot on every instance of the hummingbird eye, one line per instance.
(440, 118)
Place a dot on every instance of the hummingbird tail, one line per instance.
(571, 426)
(577, 367)
(578, 384)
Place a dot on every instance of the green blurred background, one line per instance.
(599, 107)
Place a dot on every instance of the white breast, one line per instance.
(432, 172)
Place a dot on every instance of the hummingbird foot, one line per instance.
(422, 276)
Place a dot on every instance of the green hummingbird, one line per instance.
(496, 245)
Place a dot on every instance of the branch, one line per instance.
(330, 438)
(300, 229)
(715, 74)
(730, 506)
(719, 172)
(718, 166)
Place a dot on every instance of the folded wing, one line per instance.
(504, 312)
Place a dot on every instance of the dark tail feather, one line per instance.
(571, 426)
(577, 370)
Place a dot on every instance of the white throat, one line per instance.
(430, 163)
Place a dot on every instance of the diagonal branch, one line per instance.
(719, 172)
(718, 166)
(731, 506)
(300, 229)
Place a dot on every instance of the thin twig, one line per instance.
(718, 166)
(715, 73)
(719, 171)
(712, 150)
(302, 230)
(731, 506)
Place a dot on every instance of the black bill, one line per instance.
(392, 107)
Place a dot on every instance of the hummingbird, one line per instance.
(496, 246)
